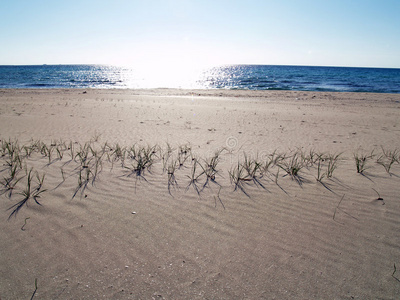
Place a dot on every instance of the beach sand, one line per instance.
(124, 234)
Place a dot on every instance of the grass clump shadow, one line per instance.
(326, 165)
(250, 170)
(30, 192)
(388, 158)
(292, 165)
(86, 161)
(172, 183)
(194, 177)
(210, 168)
(139, 160)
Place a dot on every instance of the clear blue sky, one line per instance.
(290, 32)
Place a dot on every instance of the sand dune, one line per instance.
(121, 233)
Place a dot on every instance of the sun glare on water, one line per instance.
(166, 75)
(173, 66)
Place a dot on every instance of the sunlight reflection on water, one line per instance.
(173, 77)
(248, 77)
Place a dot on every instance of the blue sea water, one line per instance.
(251, 77)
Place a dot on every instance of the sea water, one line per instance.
(248, 77)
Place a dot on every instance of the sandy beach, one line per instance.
(199, 194)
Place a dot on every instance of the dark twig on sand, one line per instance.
(337, 208)
(394, 271)
(22, 228)
(34, 292)
(219, 199)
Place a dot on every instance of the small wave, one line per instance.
(33, 85)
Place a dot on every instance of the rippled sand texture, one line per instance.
(124, 234)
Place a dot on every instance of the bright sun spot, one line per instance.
(167, 65)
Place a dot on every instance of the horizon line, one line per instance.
(209, 66)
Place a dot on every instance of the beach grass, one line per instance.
(320, 173)
(238, 177)
(29, 192)
(361, 162)
(172, 183)
(194, 177)
(326, 164)
(388, 158)
(87, 160)
(292, 165)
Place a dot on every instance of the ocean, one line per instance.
(248, 77)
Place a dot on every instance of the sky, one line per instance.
(358, 33)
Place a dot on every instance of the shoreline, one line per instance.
(185, 91)
(270, 118)
(277, 95)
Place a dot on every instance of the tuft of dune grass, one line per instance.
(21, 182)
